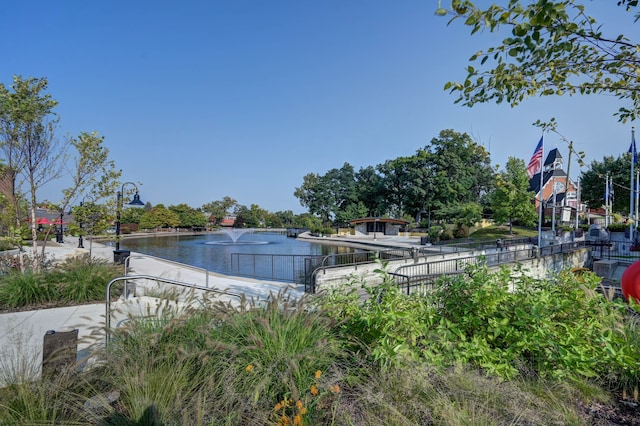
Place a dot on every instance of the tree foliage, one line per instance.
(511, 200)
(32, 151)
(552, 48)
(189, 217)
(448, 173)
(592, 182)
(218, 210)
(159, 217)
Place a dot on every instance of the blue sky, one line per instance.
(200, 99)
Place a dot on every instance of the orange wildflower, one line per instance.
(249, 368)
(314, 390)
(299, 405)
(278, 407)
(297, 419)
(318, 374)
(335, 388)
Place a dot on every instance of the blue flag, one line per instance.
(632, 149)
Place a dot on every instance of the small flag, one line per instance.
(535, 164)
(632, 149)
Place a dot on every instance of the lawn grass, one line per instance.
(494, 232)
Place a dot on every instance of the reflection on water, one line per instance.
(213, 251)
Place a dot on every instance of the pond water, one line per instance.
(213, 251)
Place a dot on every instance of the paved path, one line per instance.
(22, 333)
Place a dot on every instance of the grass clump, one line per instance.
(77, 280)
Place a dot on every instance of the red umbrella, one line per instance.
(43, 221)
(57, 222)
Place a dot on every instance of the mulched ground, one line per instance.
(622, 413)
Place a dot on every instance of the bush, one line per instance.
(617, 227)
(83, 279)
(28, 288)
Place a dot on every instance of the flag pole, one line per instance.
(632, 150)
(540, 214)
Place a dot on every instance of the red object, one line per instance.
(42, 221)
(630, 282)
(57, 222)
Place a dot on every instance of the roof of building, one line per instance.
(379, 219)
(553, 155)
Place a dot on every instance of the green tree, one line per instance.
(397, 183)
(189, 217)
(511, 199)
(133, 214)
(553, 48)
(253, 217)
(328, 194)
(462, 214)
(218, 210)
(370, 191)
(593, 182)
(159, 217)
(460, 171)
(93, 217)
(32, 151)
(94, 173)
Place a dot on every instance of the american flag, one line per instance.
(535, 164)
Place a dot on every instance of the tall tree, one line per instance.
(31, 149)
(159, 217)
(189, 217)
(93, 173)
(460, 170)
(553, 48)
(396, 175)
(326, 195)
(219, 209)
(511, 199)
(370, 190)
(592, 182)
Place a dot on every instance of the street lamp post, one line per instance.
(117, 254)
(80, 245)
(60, 232)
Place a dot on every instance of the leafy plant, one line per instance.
(28, 288)
(83, 278)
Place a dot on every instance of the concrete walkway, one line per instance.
(22, 333)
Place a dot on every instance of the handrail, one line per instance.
(157, 279)
(496, 257)
(182, 265)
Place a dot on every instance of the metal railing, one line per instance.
(275, 267)
(127, 261)
(298, 268)
(425, 274)
(157, 280)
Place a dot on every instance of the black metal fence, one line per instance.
(299, 269)
(422, 276)
(274, 267)
(612, 249)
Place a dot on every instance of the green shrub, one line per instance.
(509, 326)
(83, 278)
(618, 227)
(28, 288)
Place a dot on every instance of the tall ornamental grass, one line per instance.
(79, 279)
